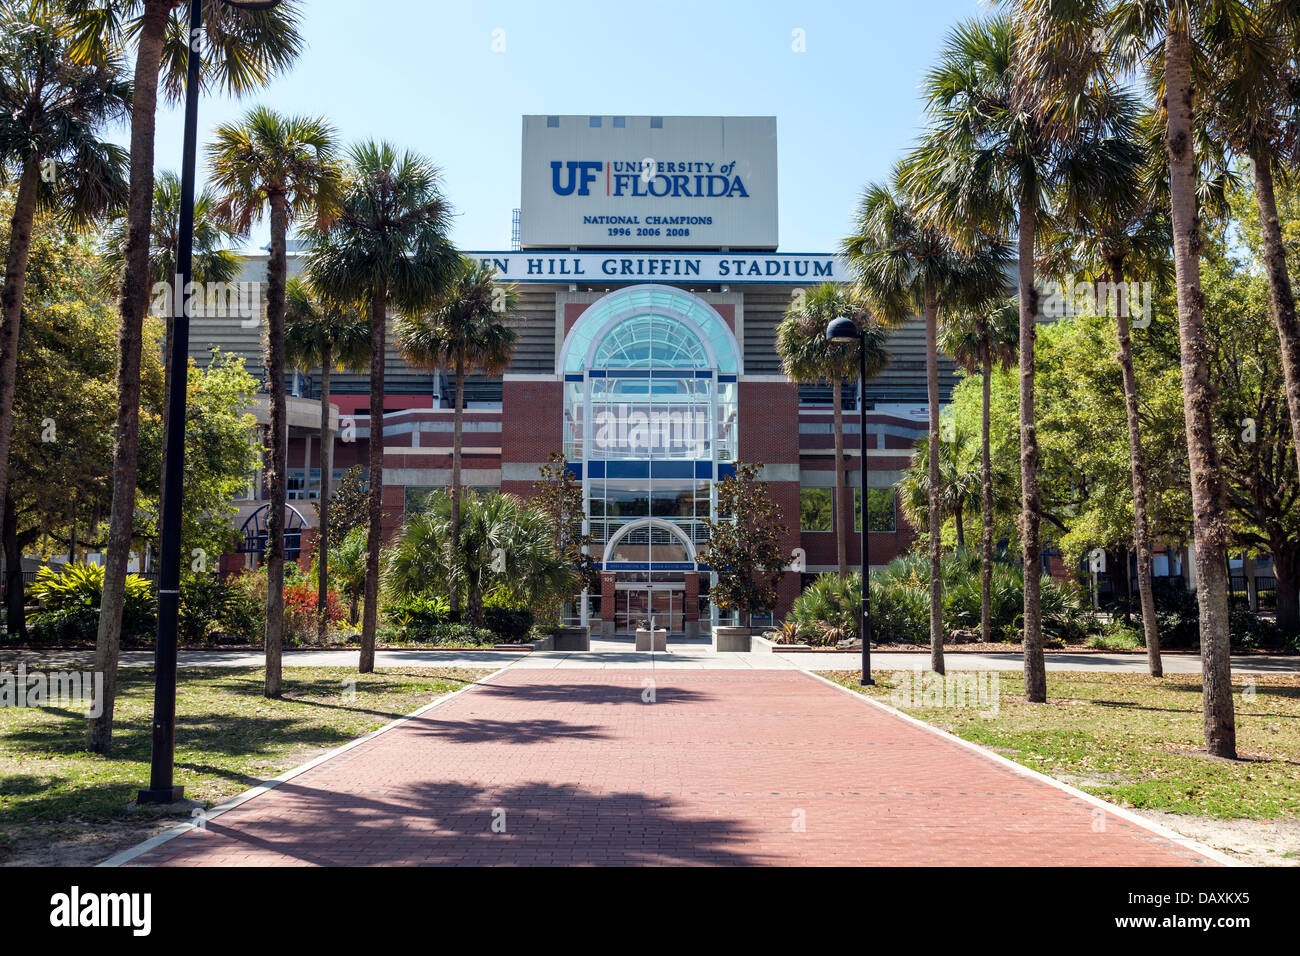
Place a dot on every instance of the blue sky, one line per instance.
(424, 75)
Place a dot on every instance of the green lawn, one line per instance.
(228, 738)
(1137, 740)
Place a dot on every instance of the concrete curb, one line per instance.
(126, 856)
(1128, 815)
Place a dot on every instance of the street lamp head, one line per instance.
(843, 330)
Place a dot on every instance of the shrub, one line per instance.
(300, 603)
(900, 602)
(206, 603)
(416, 616)
(510, 623)
(447, 634)
(69, 600)
(1117, 636)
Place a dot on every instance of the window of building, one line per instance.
(620, 122)
(881, 510)
(552, 122)
(656, 122)
(593, 122)
(816, 508)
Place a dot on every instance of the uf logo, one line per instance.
(581, 174)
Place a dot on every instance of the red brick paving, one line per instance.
(718, 770)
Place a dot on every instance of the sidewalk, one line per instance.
(623, 766)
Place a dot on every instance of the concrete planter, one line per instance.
(761, 645)
(692, 629)
(731, 639)
(656, 640)
(573, 639)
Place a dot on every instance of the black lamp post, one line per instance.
(845, 330)
(161, 788)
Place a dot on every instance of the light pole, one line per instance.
(162, 762)
(844, 331)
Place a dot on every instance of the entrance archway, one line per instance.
(651, 556)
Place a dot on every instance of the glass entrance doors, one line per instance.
(636, 602)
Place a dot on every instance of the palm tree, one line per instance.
(505, 545)
(467, 330)
(982, 338)
(245, 48)
(809, 358)
(325, 336)
(1177, 43)
(907, 263)
(1253, 94)
(55, 111)
(1119, 236)
(992, 156)
(389, 243)
(213, 261)
(285, 168)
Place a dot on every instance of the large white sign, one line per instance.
(649, 182)
(628, 266)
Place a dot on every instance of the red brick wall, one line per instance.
(769, 416)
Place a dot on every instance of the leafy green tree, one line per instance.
(809, 358)
(980, 339)
(349, 505)
(467, 330)
(325, 336)
(388, 244)
(745, 546)
(243, 50)
(283, 168)
(52, 124)
(559, 494)
(213, 261)
(908, 263)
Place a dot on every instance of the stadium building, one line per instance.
(651, 283)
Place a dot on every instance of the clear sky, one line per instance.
(425, 76)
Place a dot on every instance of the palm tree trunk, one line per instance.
(326, 466)
(959, 518)
(374, 531)
(15, 599)
(1280, 291)
(1035, 668)
(20, 244)
(986, 493)
(1141, 529)
(1209, 522)
(134, 303)
(457, 417)
(275, 281)
(936, 519)
(842, 526)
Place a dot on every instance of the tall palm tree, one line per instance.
(908, 263)
(388, 244)
(214, 261)
(244, 49)
(55, 113)
(322, 335)
(1253, 107)
(1176, 44)
(1120, 236)
(283, 168)
(980, 339)
(807, 357)
(993, 154)
(467, 330)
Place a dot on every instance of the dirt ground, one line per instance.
(1254, 842)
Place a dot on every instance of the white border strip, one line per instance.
(129, 854)
(1123, 814)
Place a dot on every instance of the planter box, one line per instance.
(692, 629)
(761, 645)
(572, 639)
(546, 643)
(652, 641)
(731, 639)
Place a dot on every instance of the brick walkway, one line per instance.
(720, 769)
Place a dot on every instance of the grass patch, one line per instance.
(228, 738)
(1137, 740)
